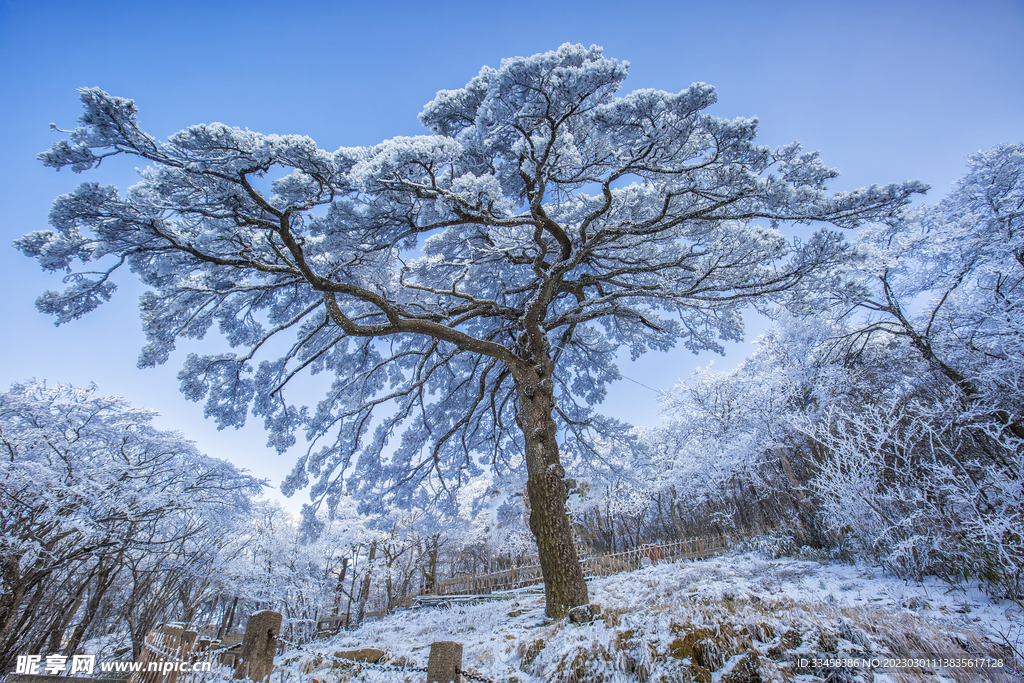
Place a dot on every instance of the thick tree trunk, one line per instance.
(564, 585)
(63, 620)
(229, 617)
(11, 603)
(339, 590)
(104, 580)
(430, 573)
(364, 593)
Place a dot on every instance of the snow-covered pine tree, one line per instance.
(475, 282)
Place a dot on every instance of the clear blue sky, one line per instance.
(886, 91)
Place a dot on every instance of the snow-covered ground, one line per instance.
(734, 618)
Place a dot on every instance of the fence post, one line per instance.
(445, 662)
(257, 657)
(184, 649)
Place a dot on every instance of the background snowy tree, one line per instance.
(474, 283)
(930, 475)
(891, 420)
(90, 492)
(949, 280)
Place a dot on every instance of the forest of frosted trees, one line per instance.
(466, 293)
(884, 424)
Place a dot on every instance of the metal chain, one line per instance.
(389, 666)
(153, 647)
(473, 676)
(222, 649)
(386, 666)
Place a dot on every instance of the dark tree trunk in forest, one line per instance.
(10, 601)
(430, 571)
(364, 593)
(56, 635)
(19, 625)
(564, 585)
(104, 580)
(229, 617)
(339, 590)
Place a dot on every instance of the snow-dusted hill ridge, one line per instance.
(738, 617)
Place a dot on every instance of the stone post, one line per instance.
(445, 662)
(257, 657)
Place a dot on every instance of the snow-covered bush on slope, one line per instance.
(931, 478)
(914, 483)
(727, 619)
(892, 418)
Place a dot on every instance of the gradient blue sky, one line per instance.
(886, 91)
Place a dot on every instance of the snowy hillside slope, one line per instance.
(739, 617)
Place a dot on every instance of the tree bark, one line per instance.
(564, 585)
(229, 617)
(364, 593)
(105, 577)
(56, 635)
(430, 572)
(339, 590)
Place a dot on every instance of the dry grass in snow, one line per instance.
(737, 618)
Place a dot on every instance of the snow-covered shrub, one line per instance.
(929, 489)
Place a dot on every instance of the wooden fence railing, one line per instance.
(593, 566)
(176, 653)
(169, 643)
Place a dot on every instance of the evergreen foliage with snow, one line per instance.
(465, 293)
(517, 255)
(467, 289)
